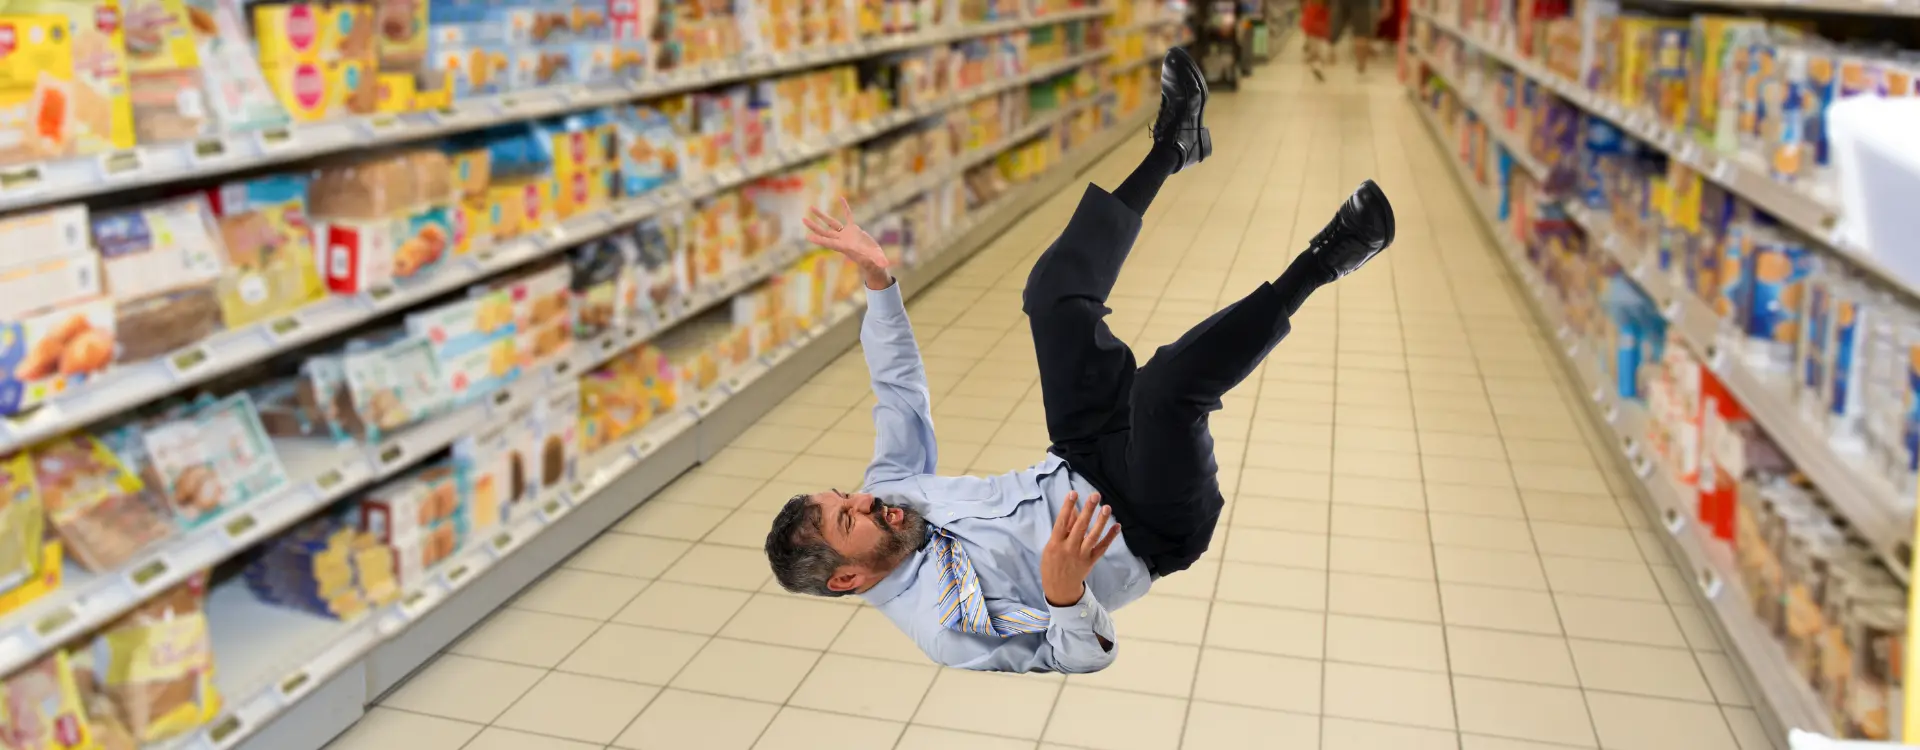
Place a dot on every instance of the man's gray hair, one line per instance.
(802, 560)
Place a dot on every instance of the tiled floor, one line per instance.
(1421, 550)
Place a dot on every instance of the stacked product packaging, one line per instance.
(1828, 342)
(719, 282)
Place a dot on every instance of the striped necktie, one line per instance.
(964, 608)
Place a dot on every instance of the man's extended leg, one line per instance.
(1085, 371)
(1173, 483)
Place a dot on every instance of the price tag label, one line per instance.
(280, 328)
(273, 139)
(46, 627)
(149, 574)
(329, 480)
(120, 163)
(290, 687)
(502, 397)
(391, 454)
(227, 727)
(552, 509)
(379, 294)
(23, 180)
(561, 368)
(1673, 520)
(502, 541)
(578, 491)
(239, 527)
(412, 603)
(1709, 582)
(185, 362)
(458, 573)
(209, 149)
(556, 234)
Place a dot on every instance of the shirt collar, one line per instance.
(898, 581)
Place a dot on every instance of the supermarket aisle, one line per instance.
(1421, 549)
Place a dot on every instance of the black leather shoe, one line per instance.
(1183, 99)
(1360, 230)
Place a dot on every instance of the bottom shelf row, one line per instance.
(230, 652)
(1818, 624)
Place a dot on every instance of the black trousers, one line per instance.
(1140, 434)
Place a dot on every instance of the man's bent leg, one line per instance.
(1085, 371)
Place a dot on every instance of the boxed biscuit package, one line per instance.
(489, 475)
(237, 95)
(473, 339)
(46, 351)
(163, 73)
(268, 236)
(97, 506)
(559, 436)
(383, 219)
(212, 457)
(63, 85)
(163, 264)
(324, 567)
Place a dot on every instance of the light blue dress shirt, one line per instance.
(1001, 522)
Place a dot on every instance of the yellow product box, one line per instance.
(310, 92)
(470, 221)
(432, 99)
(402, 31)
(287, 34)
(51, 105)
(1709, 53)
(358, 85)
(395, 93)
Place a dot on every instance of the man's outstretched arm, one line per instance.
(903, 413)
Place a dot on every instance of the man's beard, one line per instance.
(900, 540)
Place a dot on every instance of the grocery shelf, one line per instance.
(324, 472)
(1871, 505)
(28, 185)
(126, 387)
(1789, 700)
(293, 681)
(1744, 175)
(1882, 8)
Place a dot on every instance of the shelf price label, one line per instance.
(280, 328)
(238, 527)
(120, 163)
(226, 728)
(413, 603)
(55, 622)
(273, 139)
(291, 687)
(149, 575)
(391, 454)
(184, 362)
(329, 480)
(209, 149)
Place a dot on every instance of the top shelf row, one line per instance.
(212, 87)
(1784, 166)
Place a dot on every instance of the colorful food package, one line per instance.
(602, 285)
(559, 436)
(47, 351)
(29, 561)
(489, 475)
(210, 458)
(269, 241)
(98, 506)
(542, 314)
(156, 663)
(63, 85)
(366, 392)
(237, 93)
(473, 339)
(401, 27)
(163, 72)
(384, 219)
(41, 708)
(163, 263)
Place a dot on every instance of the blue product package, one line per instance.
(1779, 275)
(1814, 341)
(1600, 149)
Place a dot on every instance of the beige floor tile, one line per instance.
(1289, 485)
(1216, 726)
(462, 688)
(1549, 452)
(1114, 720)
(1478, 472)
(789, 621)
(1269, 585)
(383, 728)
(1386, 643)
(1632, 721)
(874, 688)
(1585, 540)
(1500, 608)
(635, 654)
(1619, 620)
(1380, 596)
(1521, 711)
(1466, 499)
(1520, 657)
(717, 565)
(1747, 729)
(577, 707)
(1240, 678)
(750, 463)
(678, 719)
(680, 606)
(533, 639)
(628, 555)
(1628, 580)
(1286, 632)
(1164, 618)
(1486, 567)
(746, 527)
(1380, 523)
(1355, 462)
(1147, 667)
(1396, 696)
(802, 729)
(672, 520)
(1405, 494)
(1383, 439)
(1723, 678)
(578, 593)
(754, 671)
(1349, 734)
(1380, 557)
(1020, 704)
(1481, 532)
(1639, 670)
(1438, 444)
(1309, 516)
(1483, 742)
(1283, 457)
(499, 738)
(1564, 508)
(929, 738)
(1270, 547)
(870, 633)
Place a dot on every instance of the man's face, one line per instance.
(874, 536)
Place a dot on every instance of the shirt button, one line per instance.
(949, 515)
(1083, 613)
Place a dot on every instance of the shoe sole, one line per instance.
(1375, 193)
(1193, 73)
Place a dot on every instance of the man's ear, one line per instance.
(844, 579)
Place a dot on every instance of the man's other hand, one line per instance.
(1081, 535)
(843, 236)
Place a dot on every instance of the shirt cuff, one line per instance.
(886, 300)
(1087, 615)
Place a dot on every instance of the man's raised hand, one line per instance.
(845, 237)
(1081, 535)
